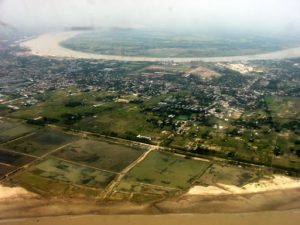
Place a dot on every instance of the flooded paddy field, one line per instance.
(12, 128)
(13, 158)
(228, 174)
(5, 169)
(99, 154)
(56, 169)
(163, 169)
(55, 163)
(159, 175)
(40, 142)
(49, 187)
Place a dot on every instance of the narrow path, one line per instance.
(55, 150)
(119, 177)
(18, 138)
(16, 152)
(84, 165)
(32, 162)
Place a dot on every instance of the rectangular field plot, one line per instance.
(10, 129)
(5, 169)
(136, 197)
(140, 192)
(164, 169)
(40, 143)
(6, 124)
(59, 170)
(284, 109)
(14, 159)
(48, 187)
(100, 154)
(228, 174)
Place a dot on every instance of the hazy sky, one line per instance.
(283, 15)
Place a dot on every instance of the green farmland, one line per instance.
(12, 128)
(167, 170)
(40, 143)
(101, 155)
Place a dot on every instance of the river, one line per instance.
(49, 45)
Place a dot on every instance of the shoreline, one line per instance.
(278, 182)
(48, 45)
(279, 193)
(288, 217)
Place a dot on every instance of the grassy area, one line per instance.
(284, 109)
(166, 170)
(122, 121)
(50, 187)
(172, 44)
(228, 174)
(10, 161)
(56, 103)
(41, 142)
(55, 169)
(102, 155)
(92, 111)
(14, 159)
(11, 129)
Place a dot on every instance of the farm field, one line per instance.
(41, 142)
(5, 169)
(12, 128)
(86, 168)
(229, 175)
(284, 109)
(51, 187)
(14, 159)
(56, 169)
(101, 155)
(91, 111)
(162, 169)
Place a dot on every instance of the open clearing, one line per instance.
(204, 72)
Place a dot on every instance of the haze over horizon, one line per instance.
(249, 15)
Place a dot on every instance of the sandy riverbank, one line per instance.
(289, 217)
(278, 182)
(15, 193)
(279, 193)
(49, 45)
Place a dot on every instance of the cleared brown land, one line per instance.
(204, 72)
